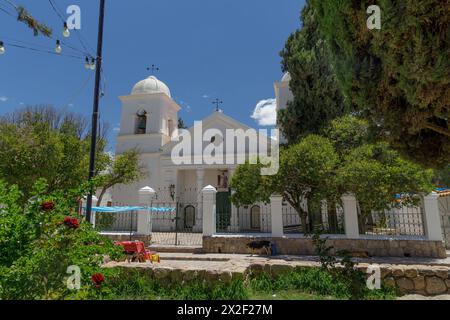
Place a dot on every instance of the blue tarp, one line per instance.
(126, 209)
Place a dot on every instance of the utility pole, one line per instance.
(95, 107)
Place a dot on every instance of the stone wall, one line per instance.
(420, 279)
(303, 246)
(407, 279)
(126, 237)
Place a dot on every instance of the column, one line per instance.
(350, 216)
(200, 185)
(209, 210)
(144, 218)
(432, 219)
(276, 214)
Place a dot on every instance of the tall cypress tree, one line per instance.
(399, 76)
(317, 97)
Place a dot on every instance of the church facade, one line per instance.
(149, 124)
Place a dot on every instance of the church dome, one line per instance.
(286, 77)
(151, 85)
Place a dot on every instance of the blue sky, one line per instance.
(204, 48)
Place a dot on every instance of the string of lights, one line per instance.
(3, 50)
(59, 44)
(66, 31)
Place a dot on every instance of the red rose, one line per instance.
(47, 205)
(71, 223)
(97, 279)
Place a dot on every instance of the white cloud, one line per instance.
(265, 112)
(116, 129)
(3, 99)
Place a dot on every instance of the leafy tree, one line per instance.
(398, 77)
(442, 177)
(42, 142)
(346, 161)
(305, 169)
(181, 124)
(375, 173)
(317, 98)
(122, 169)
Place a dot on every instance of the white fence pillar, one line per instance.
(209, 210)
(432, 219)
(350, 216)
(276, 213)
(144, 219)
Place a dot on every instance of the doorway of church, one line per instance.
(223, 211)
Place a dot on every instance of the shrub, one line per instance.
(41, 238)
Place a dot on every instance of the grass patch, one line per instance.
(301, 284)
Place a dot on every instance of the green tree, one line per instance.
(181, 124)
(398, 77)
(122, 169)
(41, 142)
(305, 169)
(375, 173)
(317, 98)
(319, 168)
(442, 177)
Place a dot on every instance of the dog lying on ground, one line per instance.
(260, 246)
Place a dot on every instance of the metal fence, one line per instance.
(444, 212)
(403, 221)
(119, 222)
(329, 221)
(245, 219)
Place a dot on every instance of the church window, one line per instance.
(141, 122)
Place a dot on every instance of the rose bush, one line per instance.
(40, 239)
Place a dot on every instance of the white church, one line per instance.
(149, 121)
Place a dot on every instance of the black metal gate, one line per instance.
(176, 228)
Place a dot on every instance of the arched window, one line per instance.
(141, 122)
(189, 217)
(255, 218)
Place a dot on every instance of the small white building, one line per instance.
(149, 118)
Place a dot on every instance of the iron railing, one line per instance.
(402, 221)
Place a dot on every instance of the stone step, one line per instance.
(175, 249)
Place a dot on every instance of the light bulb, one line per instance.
(2, 47)
(92, 66)
(58, 48)
(66, 32)
(87, 65)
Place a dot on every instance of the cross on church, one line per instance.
(153, 68)
(217, 102)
